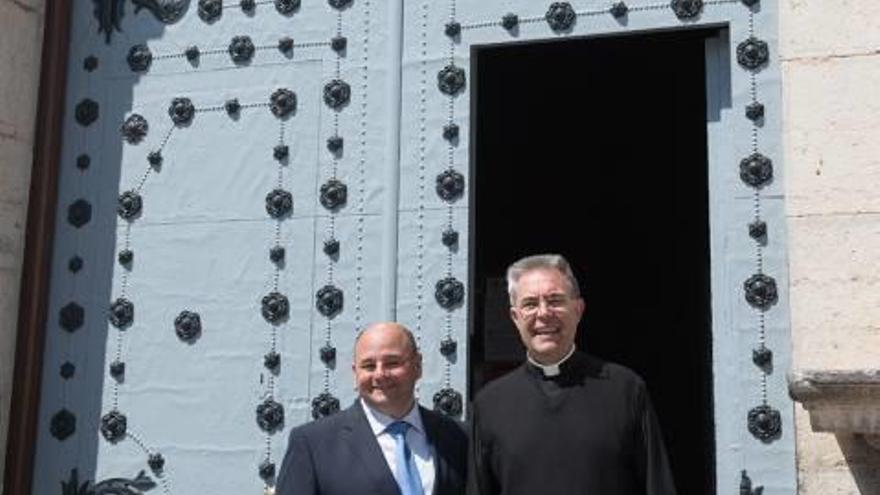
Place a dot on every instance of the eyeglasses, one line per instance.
(555, 303)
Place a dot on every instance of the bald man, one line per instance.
(385, 443)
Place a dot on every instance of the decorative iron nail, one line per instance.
(275, 307)
(129, 205)
(266, 469)
(279, 203)
(188, 326)
(686, 9)
(450, 237)
(166, 11)
(247, 6)
(282, 102)
(324, 405)
(334, 194)
(67, 370)
(117, 369)
(83, 161)
(241, 49)
(510, 21)
(448, 346)
(329, 301)
(156, 462)
(339, 43)
(451, 80)
(762, 356)
(232, 106)
(450, 185)
(285, 45)
(155, 159)
(192, 53)
(86, 112)
(90, 63)
(328, 354)
(210, 10)
(745, 485)
(79, 213)
(760, 291)
(560, 16)
(281, 152)
(749, 3)
(449, 292)
(337, 93)
(272, 360)
(754, 111)
(139, 58)
(335, 144)
(71, 317)
(270, 416)
(339, 4)
(63, 424)
(765, 423)
(75, 264)
(758, 230)
(448, 402)
(752, 53)
(756, 170)
(331, 247)
(125, 257)
(121, 313)
(181, 111)
(276, 254)
(113, 426)
(619, 10)
(134, 129)
(452, 29)
(450, 132)
(286, 7)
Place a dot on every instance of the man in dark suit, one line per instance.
(385, 443)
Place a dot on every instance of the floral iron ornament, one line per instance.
(165, 11)
(761, 291)
(275, 307)
(241, 49)
(279, 203)
(71, 317)
(113, 426)
(765, 423)
(63, 425)
(449, 293)
(560, 16)
(79, 213)
(210, 10)
(450, 80)
(450, 185)
(282, 102)
(286, 7)
(188, 326)
(112, 486)
(139, 58)
(270, 416)
(121, 313)
(129, 205)
(181, 111)
(324, 405)
(752, 53)
(756, 170)
(328, 301)
(134, 129)
(86, 112)
(686, 9)
(337, 93)
(448, 402)
(334, 194)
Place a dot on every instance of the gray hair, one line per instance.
(540, 262)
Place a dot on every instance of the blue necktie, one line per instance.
(407, 475)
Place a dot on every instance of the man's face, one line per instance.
(546, 314)
(386, 368)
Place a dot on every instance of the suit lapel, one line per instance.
(435, 438)
(362, 442)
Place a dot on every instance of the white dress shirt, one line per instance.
(416, 438)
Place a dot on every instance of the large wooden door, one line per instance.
(244, 185)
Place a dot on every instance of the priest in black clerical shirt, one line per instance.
(565, 422)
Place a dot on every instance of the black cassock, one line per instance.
(591, 430)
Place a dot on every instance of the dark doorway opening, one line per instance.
(596, 149)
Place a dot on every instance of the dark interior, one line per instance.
(596, 149)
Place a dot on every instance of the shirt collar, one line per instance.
(380, 421)
(550, 369)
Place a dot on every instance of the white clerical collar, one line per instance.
(379, 421)
(550, 369)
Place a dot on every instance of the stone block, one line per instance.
(12, 226)
(835, 290)
(16, 161)
(21, 32)
(832, 111)
(816, 28)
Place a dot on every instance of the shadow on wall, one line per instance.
(863, 460)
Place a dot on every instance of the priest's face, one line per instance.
(546, 314)
(386, 367)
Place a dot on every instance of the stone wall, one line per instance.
(21, 35)
(831, 72)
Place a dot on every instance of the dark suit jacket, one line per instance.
(339, 455)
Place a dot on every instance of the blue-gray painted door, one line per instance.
(244, 185)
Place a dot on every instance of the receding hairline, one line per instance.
(410, 338)
(541, 262)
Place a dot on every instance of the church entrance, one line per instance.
(596, 149)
